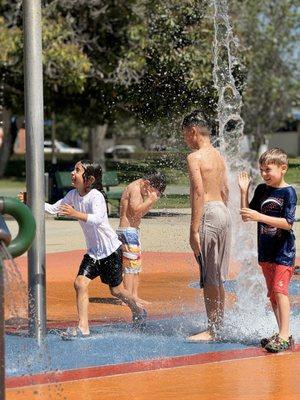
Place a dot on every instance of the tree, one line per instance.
(269, 33)
(170, 55)
(100, 29)
(110, 59)
(65, 64)
(168, 69)
(150, 60)
(9, 44)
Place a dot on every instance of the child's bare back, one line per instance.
(213, 173)
(210, 219)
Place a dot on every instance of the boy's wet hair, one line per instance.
(196, 118)
(157, 180)
(93, 169)
(274, 156)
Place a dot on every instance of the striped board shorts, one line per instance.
(131, 249)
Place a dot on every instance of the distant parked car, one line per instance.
(120, 151)
(61, 148)
(158, 147)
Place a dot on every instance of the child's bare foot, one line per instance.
(204, 336)
(139, 319)
(141, 302)
(119, 302)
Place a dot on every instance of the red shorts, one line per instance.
(277, 278)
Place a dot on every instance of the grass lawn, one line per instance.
(170, 201)
(293, 176)
(12, 183)
(175, 177)
(173, 201)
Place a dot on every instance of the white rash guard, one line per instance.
(101, 240)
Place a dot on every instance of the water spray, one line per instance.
(231, 124)
(249, 315)
(9, 248)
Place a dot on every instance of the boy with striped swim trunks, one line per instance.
(137, 199)
(273, 207)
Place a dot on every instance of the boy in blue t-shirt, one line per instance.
(273, 206)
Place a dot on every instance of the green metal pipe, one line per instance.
(25, 220)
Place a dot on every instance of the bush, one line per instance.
(17, 168)
(128, 171)
(172, 164)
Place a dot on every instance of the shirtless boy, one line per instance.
(137, 199)
(210, 228)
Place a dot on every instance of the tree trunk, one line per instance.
(5, 150)
(53, 137)
(96, 145)
(259, 140)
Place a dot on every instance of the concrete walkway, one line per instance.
(161, 230)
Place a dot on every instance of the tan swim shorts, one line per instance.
(215, 239)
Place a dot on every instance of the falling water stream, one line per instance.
(251, 317)
(231, 123)
(29, 353)
(15, 289)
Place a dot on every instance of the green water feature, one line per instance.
(25, 220)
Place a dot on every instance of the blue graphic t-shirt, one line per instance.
(275, 245)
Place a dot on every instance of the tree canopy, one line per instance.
(152, 59)
(269, 36)
(106, 60)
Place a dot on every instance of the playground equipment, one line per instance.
(12, 248)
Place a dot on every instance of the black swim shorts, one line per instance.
(109, 269)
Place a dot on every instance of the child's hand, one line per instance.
(244, 181)
(66, 209)
(250, 215)
(152, 194)
(21, 196)
(195, 242)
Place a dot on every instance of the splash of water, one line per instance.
(231, 124)
(16, 300)
(15, 288)
(250, 317)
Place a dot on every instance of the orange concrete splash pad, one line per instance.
(267, 378)
(154, 364)
(164, 282)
